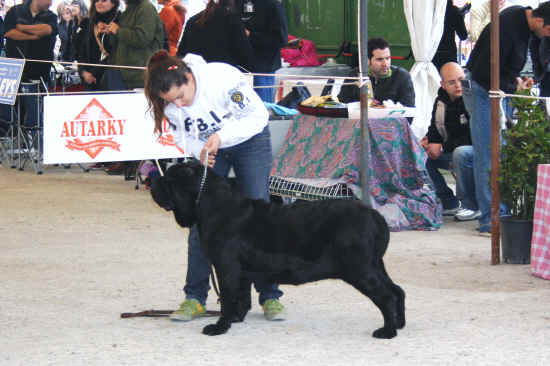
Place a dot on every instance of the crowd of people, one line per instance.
(246, 34)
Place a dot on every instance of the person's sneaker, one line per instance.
(451, 211)
(484, 231)
(189, 309)
(465, 214)
(274, 310)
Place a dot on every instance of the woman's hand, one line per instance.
(212, 146)
(102, 27)
(112, 28)
(89, 78)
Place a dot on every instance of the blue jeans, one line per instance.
(463, 166)
(443, 192)
(478, 104)
(266, 94)
(251, 161)
(32, 104)
(462, 159)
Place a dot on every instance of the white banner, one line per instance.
(102, 127)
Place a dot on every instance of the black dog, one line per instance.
(288, 244)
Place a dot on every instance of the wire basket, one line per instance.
(285, 188)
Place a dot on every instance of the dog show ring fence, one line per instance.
(317, 159)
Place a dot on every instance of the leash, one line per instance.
(201, 189)
(155, 313)
(161, 313)
(203, 179)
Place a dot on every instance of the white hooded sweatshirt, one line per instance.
(224, 103)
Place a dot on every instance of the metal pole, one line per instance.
(363, 97)
(495, 135)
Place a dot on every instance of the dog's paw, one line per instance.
(237, 319)
(384, 333)
(214, 329)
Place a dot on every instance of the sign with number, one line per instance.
(11, 70)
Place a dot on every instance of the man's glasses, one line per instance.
(454, 82)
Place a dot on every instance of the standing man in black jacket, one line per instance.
(218, 35)
(517, 25)
(267, 29)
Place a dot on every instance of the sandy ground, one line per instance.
(77, 249)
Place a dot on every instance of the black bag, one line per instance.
(297, 95)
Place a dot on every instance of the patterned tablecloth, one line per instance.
(321, 150)
(540, 244)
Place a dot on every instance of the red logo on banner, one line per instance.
(97, 126)
(166, 138)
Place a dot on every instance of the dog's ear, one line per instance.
(162, 193)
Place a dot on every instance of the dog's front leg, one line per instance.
(229, 284)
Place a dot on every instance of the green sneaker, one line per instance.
(189, 309)
(274, 310)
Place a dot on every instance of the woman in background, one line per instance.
(66, 32)
(94, 43)
(218, 35)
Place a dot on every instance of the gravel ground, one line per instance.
(77, 249)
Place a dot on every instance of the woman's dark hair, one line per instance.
(212, 6)
(93, 12)
(162, 73)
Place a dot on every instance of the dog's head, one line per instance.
(177, 191)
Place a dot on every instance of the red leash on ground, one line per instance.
(161, 313)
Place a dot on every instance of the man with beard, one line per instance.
(388, 82)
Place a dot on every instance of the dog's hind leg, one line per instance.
(400, 303)
(376, 289)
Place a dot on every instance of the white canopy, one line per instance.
(425, 22)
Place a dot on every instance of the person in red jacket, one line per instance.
(173, 17)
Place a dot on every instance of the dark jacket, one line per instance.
(450, 125)
(40, 49)
(398, 87)
(514, 36)
(88, 50)
(268, 32)
(220, 39)
(540, 55)
(454, 23)
(66, 35)
(141, 33)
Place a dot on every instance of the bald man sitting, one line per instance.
(449, 146)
